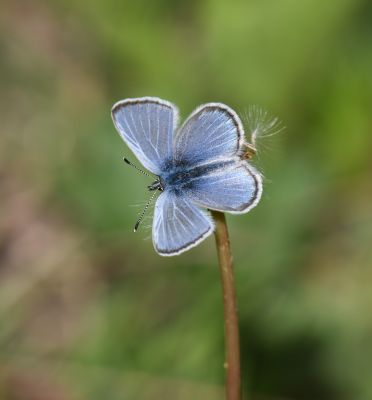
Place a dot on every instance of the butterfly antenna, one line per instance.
(135, 167)
(143, 212)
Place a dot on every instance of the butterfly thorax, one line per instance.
(179, 176)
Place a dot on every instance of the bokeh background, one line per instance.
(88, 310)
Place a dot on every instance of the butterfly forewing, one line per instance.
(178, 224)
(147, 125)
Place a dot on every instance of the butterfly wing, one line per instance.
(211, 132)
(234, 186)
(178, 224)
(146, 125)
(211, 139)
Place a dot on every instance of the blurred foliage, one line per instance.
(87, 308)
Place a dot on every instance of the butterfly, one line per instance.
(200, 165)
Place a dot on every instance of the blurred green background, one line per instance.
(88, 310)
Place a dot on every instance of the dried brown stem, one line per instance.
(232, 344)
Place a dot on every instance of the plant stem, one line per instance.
(232, 345)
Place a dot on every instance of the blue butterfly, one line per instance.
(200, 164)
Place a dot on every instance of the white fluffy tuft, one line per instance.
(260, 123)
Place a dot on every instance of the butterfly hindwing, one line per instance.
(210, 141)
(233, 186)
(212, 131)
(147, 124)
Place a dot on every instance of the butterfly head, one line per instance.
(157, 185)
